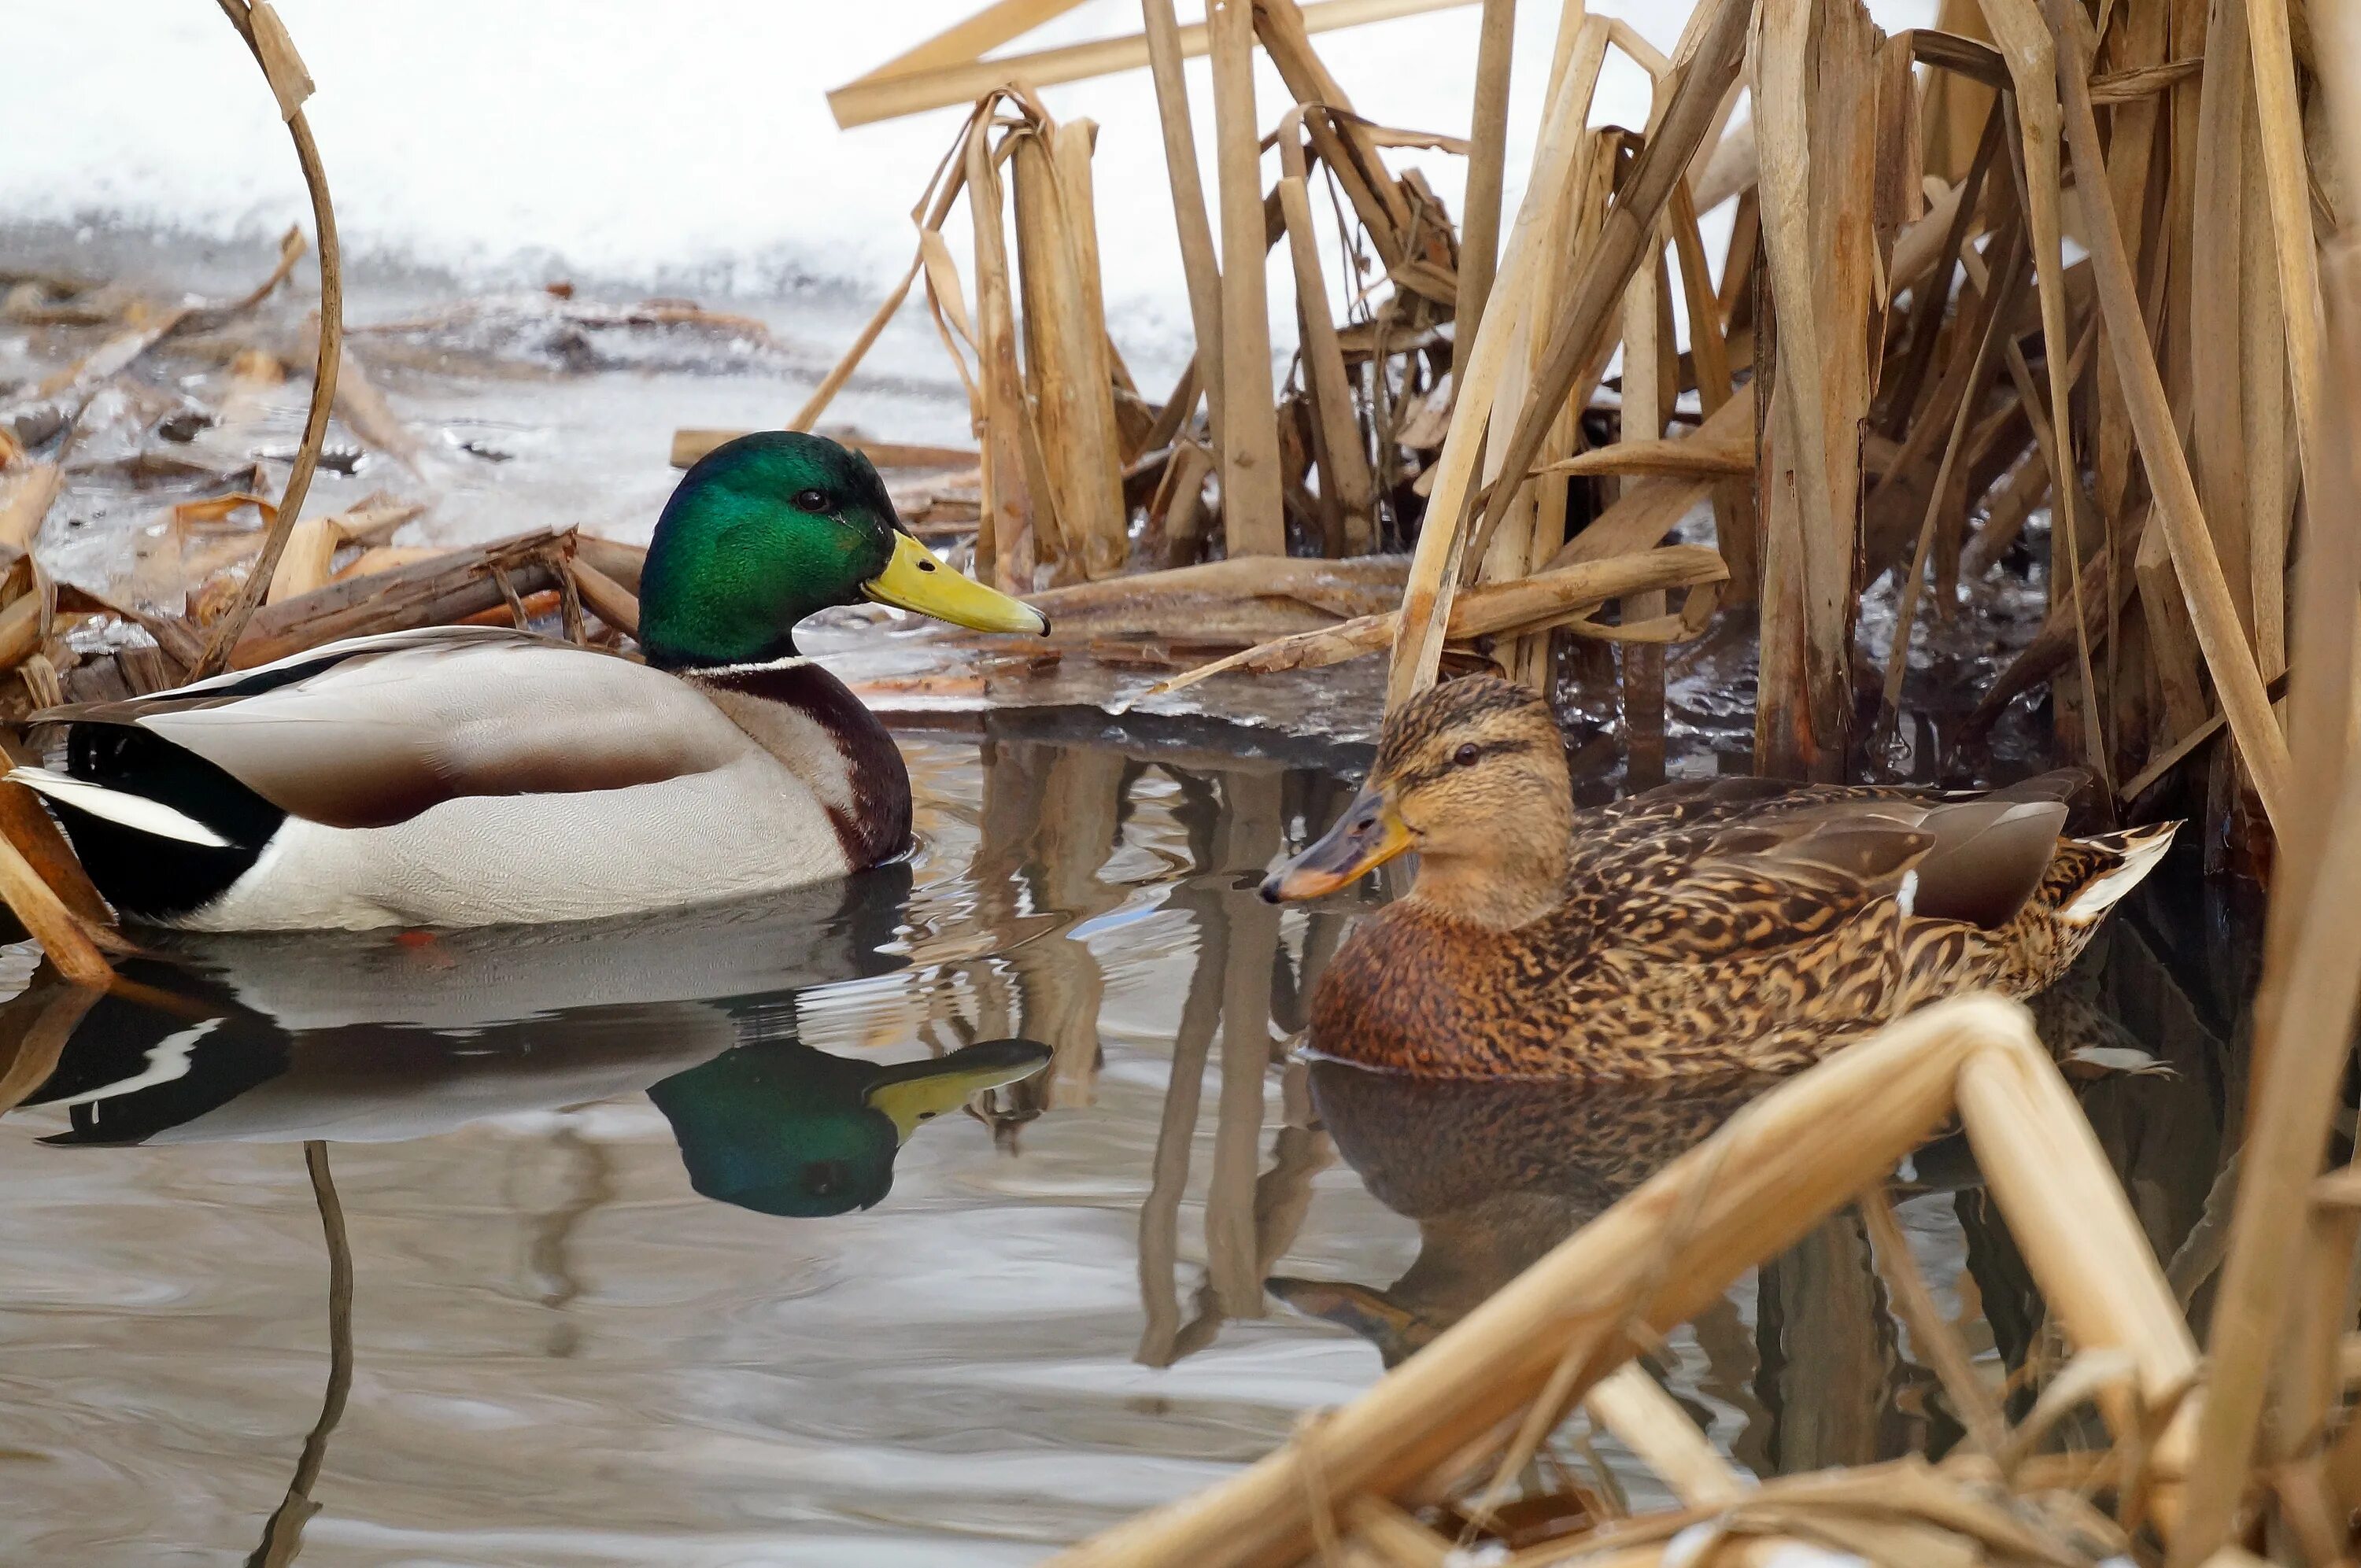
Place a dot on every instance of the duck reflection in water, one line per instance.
(263, 1041)
(1494, 1172)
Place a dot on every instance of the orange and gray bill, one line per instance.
(1367, 836)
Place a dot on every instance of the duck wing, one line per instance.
(1798, 867)
(373, 731)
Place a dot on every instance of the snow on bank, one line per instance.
(686, 146)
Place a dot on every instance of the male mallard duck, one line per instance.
(1735, 925)
(470, 777)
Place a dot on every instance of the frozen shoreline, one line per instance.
(543, 138)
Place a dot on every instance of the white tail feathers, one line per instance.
(2141, 849)
(124, 809)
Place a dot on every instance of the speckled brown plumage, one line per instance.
(1693, 931)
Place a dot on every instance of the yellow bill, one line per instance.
(915, 580)
(916, 1092)
(1369, 834)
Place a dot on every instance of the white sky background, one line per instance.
(611, 140)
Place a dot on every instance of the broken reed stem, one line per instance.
(1648, 1422)
(50, 923)
(259, 27)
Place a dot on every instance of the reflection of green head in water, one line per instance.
(784, 1129)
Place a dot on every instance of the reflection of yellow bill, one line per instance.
(915, 580)
(920, 1091)
(1369, 834)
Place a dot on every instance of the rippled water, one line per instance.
(576, 1335)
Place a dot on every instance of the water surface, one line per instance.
(941, 1217)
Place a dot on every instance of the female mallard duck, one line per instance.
(1736, 925)
(469, 777)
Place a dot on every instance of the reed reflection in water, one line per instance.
(1167, 1240)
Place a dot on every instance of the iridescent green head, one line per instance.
(769, 528)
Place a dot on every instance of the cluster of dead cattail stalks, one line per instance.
(1882, 378)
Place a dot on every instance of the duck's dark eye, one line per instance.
(1466, 756)
(815, 501)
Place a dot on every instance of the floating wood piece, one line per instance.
(433, 593)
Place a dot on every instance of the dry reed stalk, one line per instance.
(43, 913)
(609, 600)
(1442, 537)
(2306, 1014)
(1345, 473)
(1071, 391)
(1253, 522)
(2218, 254)
(2173, 637)
(1648, 394)
(1690, 456)
(1813, 88)
(1488, 136)
(266, 38)
(1346, 143)
(1646, 1419)
(2035, 65)
(1733, 508)
(1197, 255)
(2268, 504)
(2306, 1004)
(305, 565)
(2281, 126)
(27, 825)
(1001, 22)
(2071, 1222)
(1649, 1262)
(874, 98)
(27, 506)
(1005, 538)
